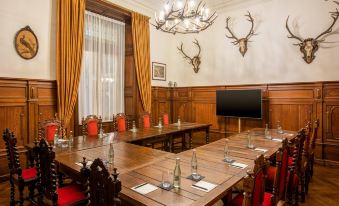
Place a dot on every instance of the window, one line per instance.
(101, 90)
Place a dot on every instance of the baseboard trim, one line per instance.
(327, 163)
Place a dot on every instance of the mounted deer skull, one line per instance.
(310, 45)
(195, 61)
(243, 41)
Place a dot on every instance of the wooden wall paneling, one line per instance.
(161, 102)
(182, 104)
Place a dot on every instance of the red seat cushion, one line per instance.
(50, 132)
(69, 195)
(92, 128)
(290, 161)
(121, 124)
(295, 180)
(165, 118)
(271, 175)
(237, 200)
(147, 122)
(29, 173)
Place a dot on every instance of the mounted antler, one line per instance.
(243, 41)
(194, 61)
(310, 45)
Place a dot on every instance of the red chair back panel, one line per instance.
(50, 132)
(258, 189)
(165, 118)
(92, 128)
(121, 124)
(283, 172)
(147, 122)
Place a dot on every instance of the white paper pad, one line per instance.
(260, 150)
(277, 140)
(88, 163)
(158, 126)
(144, 188)
(239, 165)
(204, 186)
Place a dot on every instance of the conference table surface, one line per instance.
(138, 165)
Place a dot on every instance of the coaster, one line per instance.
(196, 180)
(168, 188)
(228, 161)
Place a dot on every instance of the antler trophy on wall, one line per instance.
(310, 45)
(243, 41)
(194, 61)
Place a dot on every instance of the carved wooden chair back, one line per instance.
(254, 183)
(145, 120)
(281, 174)
(12, 153)
(165, 118)
(46, 170)
(306, 146)
(314, 135)
(49, 127)
(120, 122)
(91, 125)
(103, 188)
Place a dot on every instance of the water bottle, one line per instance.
(267, 132)
(70, 139)
(194, 166)
(279, 128)
(111, 154)
(101, 132)
(56, 138)
(179, 122)
(177, 174)
(160, 123)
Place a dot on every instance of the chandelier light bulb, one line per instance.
(167, 7)
(176, 21)
(179, 4)
(191, 4)
(162, 15)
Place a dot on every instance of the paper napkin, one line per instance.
(144, 188)
(204, 186)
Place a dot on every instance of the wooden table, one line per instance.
(138, 164)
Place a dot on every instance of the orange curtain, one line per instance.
(69, 47)
(141, 48)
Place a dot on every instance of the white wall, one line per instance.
(271, 57)
(40, 16)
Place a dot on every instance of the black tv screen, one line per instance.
(239, 103)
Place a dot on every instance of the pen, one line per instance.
(136, 187)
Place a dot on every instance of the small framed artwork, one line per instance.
(158, 71)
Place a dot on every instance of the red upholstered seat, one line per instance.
(50, 130)
(237, 200)
(147, 122)
(290, 161)
(69, 195)
(92, 127)
(121, 124)
(29, 173)
(165, 119)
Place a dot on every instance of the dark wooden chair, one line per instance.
(254, 187)
(91, 125)
(49, 191)
(294, 181)
(103, 188)
(17, 175)
(49, 127)
(120, 122)
(145, 120)
(178, 142)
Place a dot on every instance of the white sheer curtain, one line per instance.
(101, 90)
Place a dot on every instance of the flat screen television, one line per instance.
(239, 103)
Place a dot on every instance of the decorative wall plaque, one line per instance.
(26, 43)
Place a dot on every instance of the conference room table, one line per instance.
(138, 165)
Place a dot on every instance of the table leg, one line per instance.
(170, 142)
(207, 135)
(190, 139)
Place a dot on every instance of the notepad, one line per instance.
(144, 188)
(260, 150)
(277, 140)
(204, 186)
(239, 165)
(87, 164)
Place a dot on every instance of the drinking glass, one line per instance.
(166, 182)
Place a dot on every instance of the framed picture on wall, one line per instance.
(158, 71)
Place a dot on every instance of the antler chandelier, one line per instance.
(184, 16)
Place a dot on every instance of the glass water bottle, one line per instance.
(177, 174)
(111, 154)
(70, 139)
(194, 166)
(267, 132)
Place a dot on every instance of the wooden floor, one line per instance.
(323, 188)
